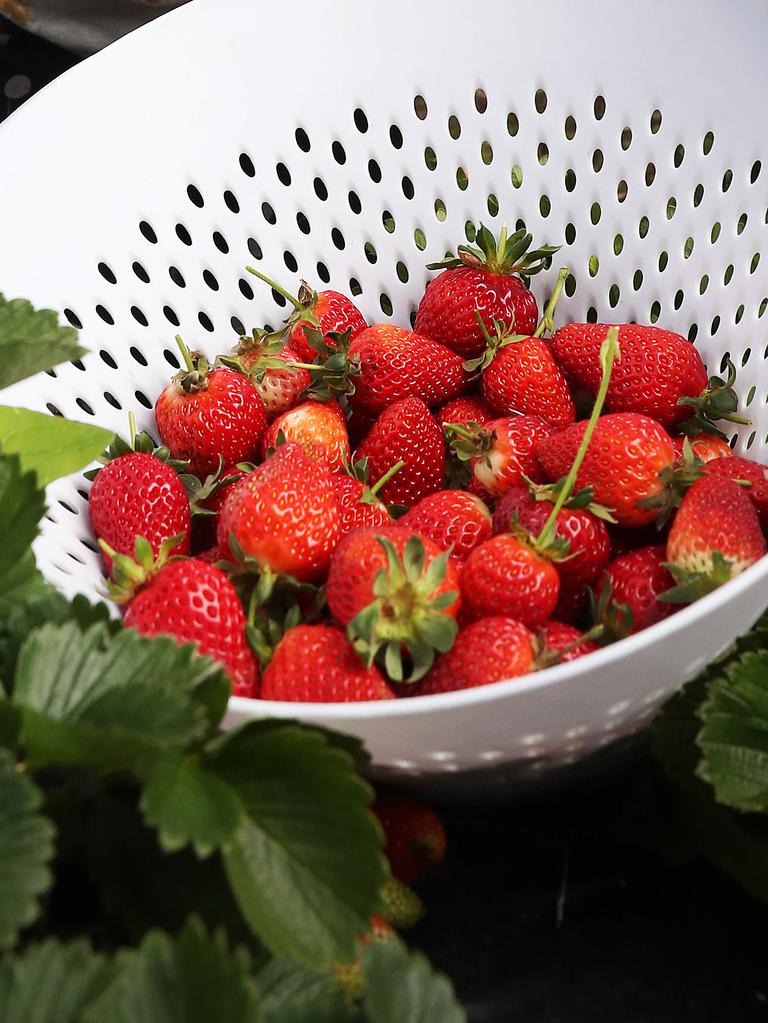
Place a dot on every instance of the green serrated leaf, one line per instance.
(403, 988)
(51, 982)
(189, 805)
(294, 994)
(26, 849)
(32, 340)
(90, 699)
(306, 894)
(49, 445)
(22, 504)
(194, 978)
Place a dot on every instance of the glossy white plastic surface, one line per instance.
(136, 188)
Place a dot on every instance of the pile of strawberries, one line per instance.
(343, 511)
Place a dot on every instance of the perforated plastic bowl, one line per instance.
(350, 147)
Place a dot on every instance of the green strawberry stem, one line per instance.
(386, 477)
(547, 321)
(549, 657)
(132, 428)
(609, 350)
(280, 290)
(188, 362)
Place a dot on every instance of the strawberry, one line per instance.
(270, 364)
(316, 664)
(406, 432)
(324, 312)
(452, 519)
(204, 416)
(502, 451)
(705, 446)
(414, 837)
(660, 374)
(359, 504)
(464, 410)
(401, 906)
(395, 591)
(483, 278)
(319, 427)
(507, 576)
(521, 375)
(393, 363)
(715, 535)
(194, 602)
(585, 533)
(635, 581)
(490, 650)
(623, 466)
(753, 474)
(284, 516)
(558, 643)
(139, 494)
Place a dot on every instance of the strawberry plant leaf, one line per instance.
(734, 736)
(51, 982)
(26, 848)
(403, 988)
(49, 445)
(22, 504)
(90, 699)
(303, 891)
(32, 340)
(295, 994)
(189, 805)
(194, 978)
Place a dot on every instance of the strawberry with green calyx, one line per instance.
(325, 311)
(519, 372)
(333, 372)
(558, 643)
(414, 837)
(272, 366)
(715, 536)
(484, 277)
(629, 599)
(514, 574)
(206, 414)
(705, 446)
(397, 595)
(400, 905)
(131, 572)
(500, 453)
(359, 503)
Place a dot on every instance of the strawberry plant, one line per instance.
(154, 868)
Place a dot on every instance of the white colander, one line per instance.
(350, 145)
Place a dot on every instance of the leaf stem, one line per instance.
(547, 321)
(185, 354)
(609, 350)
(132, 428)
(276, 287)
(387, 477)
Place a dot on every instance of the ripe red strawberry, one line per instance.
(359, 504)
(502, 451)
(506, 576)
(452, 519)
(395, 363)
(135, 495)
(395, 591)
(406, 432)
(746, 471)
(463, 411)
(623, 463)
(319, 427)
(194, 602)
(559, 643)
(521, 375)
(326, 312)
(586, 535)
(269, 364)
(284, 515)
(491, 650)
(485, 279)
(658, 368)
(705, 446)
(414, 837)
(316, 664)
(204, 416)
(636, 580)
(715, 535)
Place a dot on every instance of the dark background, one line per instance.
(640, 940)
